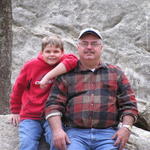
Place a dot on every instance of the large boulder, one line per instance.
(144, 116)
(124, 25)
(139, 139)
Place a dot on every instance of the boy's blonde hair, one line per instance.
(52, 41)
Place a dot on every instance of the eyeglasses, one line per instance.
(93, 44)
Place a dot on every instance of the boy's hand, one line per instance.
(15, 119)
(43, 84)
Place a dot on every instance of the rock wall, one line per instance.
(124, 25)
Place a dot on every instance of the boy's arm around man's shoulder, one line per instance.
(70, 61)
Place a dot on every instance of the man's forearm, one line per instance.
(60, 138)
(129, 120)
(55, 123)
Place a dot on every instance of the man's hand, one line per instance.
(60, 139)
(121, 136)
(15, 119)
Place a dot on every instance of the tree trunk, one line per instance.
(5, 54)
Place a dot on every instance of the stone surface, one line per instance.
(144, 117)
(124, 25)
(139, 140)
(8, 134)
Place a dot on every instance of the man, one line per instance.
(91, 101)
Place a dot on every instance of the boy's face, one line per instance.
(51, 54)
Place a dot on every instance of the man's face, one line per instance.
(90, 47)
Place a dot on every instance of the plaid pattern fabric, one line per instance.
(92, 99)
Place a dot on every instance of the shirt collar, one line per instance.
(82, 68)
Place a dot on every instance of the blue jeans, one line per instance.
(91, 139)
(30, 132)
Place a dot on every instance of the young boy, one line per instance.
(27, 99)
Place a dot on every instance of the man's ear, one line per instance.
(102, 47)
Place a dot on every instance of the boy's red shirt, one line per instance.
(27, 98)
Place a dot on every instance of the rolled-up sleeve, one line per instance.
(126, 98)
(56, 101)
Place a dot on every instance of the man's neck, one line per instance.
(90, 64)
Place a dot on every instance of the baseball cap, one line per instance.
(89, 30)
